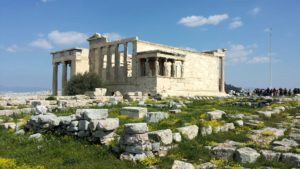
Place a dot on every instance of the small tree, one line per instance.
(80, 83)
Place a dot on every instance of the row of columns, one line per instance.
(99, 54)
(166, 68)
(64, 76)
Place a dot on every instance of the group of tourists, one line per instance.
(276, 92)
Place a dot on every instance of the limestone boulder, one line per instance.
(8, 125)
(190, 132)
(37, 136)
(291, 158)
(177, 137)
(92, 114)
(155, 117)
(65, 120)
(105, 137)
(182, 165)
(206, 130)
(239, 123)
(223, 151)
(40, 109)
(286, 143)
(207, 165)
(215, 115)
(49, 118)
(163, 136)
(246, 155)
(136, 128)
(270, 155)
(108, 124)
(83, 125)
(133, 139)
(135, 112)
(138, 148)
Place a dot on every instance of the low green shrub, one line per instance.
(51, 98)
(81, 83)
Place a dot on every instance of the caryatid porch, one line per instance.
(160, 63)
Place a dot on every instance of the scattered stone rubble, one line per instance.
(137, 143)
(91, 123)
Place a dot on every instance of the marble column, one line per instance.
(64, 78)
(156, 66)
(91, 60)
(173, 69)
(54, 80)
(108, 64)
(222, 81)
(117, 63)
(125, 61)
(165, 71)
(147, 68)
(182, 69)
(100, 70)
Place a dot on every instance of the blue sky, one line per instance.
(30, 29)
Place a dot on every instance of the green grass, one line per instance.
(2, 108)
(59, 152)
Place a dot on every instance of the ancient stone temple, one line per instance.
(130, 65)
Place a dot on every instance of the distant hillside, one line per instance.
(20, 89)
(229, 87)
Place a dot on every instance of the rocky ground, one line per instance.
(135, 131)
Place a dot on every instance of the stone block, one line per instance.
(246, 155)
(270, 155)
(215, 115)
(37, 136)
(132, 139)
(291, 158)
(92, 114)
(190, 132)
(177, 137)
(135, 128)
(155, 117)
(83, 125)
(136, 112)
(108, 124)
(163, 136)
(225, 152)
(138, 148)
(182, 165)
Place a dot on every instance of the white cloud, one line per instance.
(238, 53)
(236, 22)
(41, 43)
(67, 38)
(113, 36)
(259, 59)
(255, 11)
(194, 21)
(13, 48)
